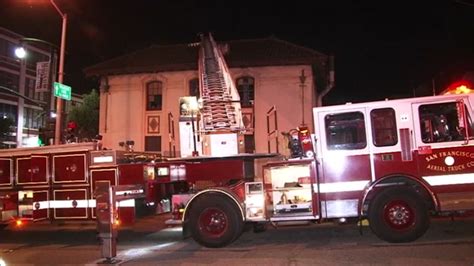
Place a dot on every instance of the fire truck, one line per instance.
(396, 163)
(57, 182)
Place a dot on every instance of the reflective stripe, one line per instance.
(129, 192)
(103, 159)
(68, 203)
(440, 180)
(65, 204)
(42, 205)
(126, 203)
(341, 186)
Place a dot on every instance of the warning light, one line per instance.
(117, 223)
(460, 87)
(19, 223)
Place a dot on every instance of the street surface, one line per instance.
(150, 243)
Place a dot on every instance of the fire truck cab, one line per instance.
(394, 163)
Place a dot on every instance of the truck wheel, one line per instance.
(215, 221)
(398, 215)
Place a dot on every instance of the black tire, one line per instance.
(398, 215)
(215, 221)
(3, 226)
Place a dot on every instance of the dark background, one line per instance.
(383, 49)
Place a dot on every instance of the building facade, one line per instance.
(140, 92)
(22, 100)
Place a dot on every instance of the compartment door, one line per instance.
(6, 172)
(23, 170)
(109, 175)
(345, 156)
(39, 169)
(70, 204)
(69, 168)
(40, 205)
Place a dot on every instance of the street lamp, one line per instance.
(59, 101)
(20, 52)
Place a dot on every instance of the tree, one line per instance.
(86, 116)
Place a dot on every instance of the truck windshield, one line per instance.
(439, 122)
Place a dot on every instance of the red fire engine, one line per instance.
(58, 182)
(394, 163)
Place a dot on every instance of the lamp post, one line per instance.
(21, 102)
(59, 101)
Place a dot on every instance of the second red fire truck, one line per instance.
(57, 182)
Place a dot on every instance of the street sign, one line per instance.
(62, 91)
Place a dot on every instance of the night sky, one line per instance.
(383, 49)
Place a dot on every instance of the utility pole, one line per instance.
(59, 101)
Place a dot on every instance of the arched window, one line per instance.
(246, 88)
(194, 88)
(154, 95)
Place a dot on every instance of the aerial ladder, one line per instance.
(221, 111)
(221, 123)
(211, 125)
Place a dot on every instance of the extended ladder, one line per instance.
(221, 111)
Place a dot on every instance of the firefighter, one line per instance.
(442, 129)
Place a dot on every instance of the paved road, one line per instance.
(147, 243)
